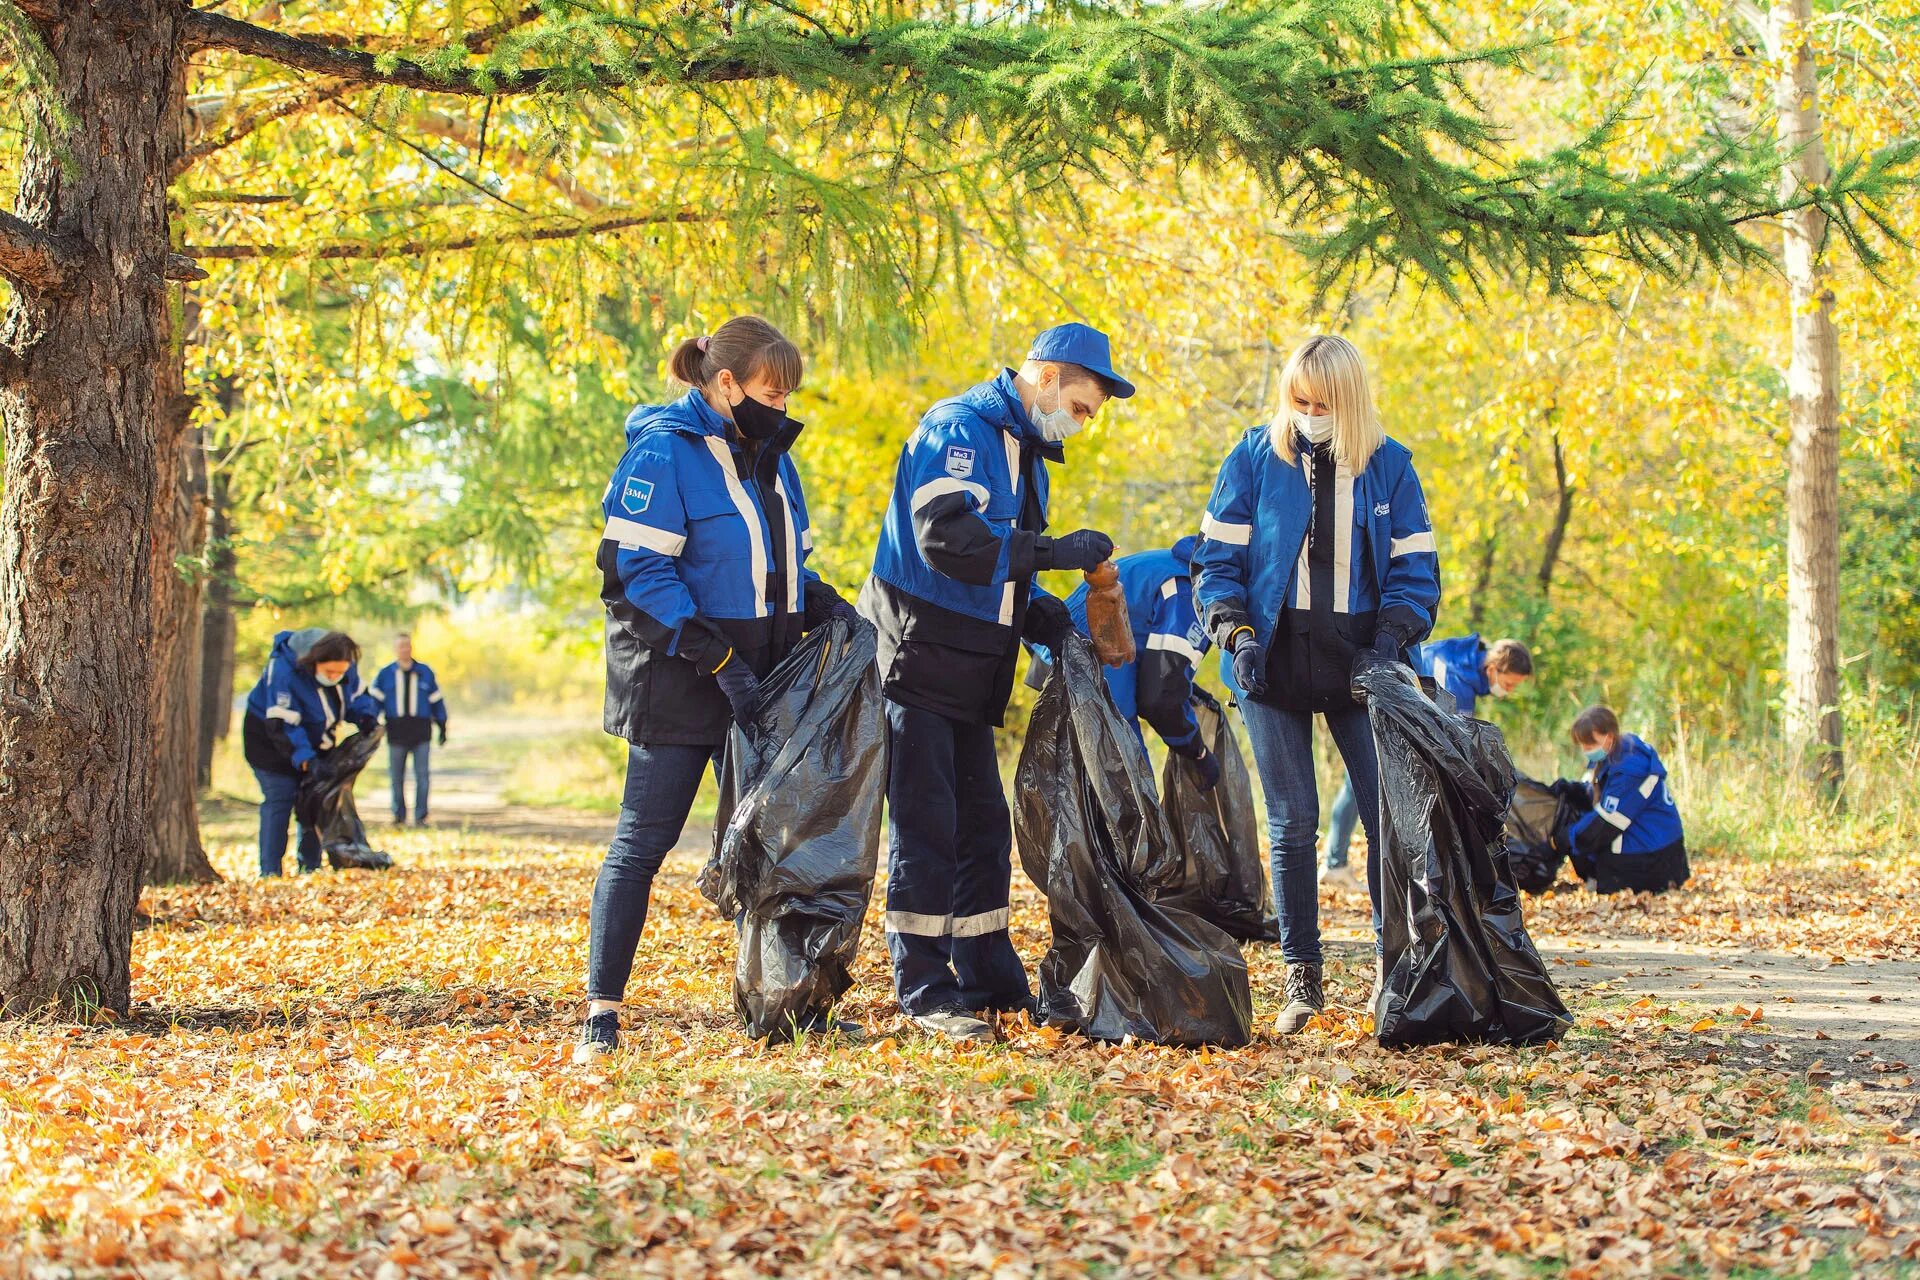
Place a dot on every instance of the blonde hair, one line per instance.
(1329, 369)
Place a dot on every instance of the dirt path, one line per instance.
(469, 780)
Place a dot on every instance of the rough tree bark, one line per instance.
(82, 348)
(217, 634)
(1813, 453)
(175, 854)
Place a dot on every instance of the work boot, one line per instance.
(599, 1035)
(1304, 998)
(953, 1024)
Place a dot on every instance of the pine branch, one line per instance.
(478, 40)
(416, 245)
(33, 259)
(204, 30)
(251, 121)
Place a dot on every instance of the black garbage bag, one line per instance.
(1536, 826)
(1126, 959)
(325, 803)
(797, 835)
(1459, 964)
(1224, 876)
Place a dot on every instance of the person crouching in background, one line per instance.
(1630, 837)
(309, 690)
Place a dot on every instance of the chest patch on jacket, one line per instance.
(637, 496)
(959, 463)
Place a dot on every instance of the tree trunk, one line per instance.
(1482, 579)
(1562, 515)
(217, 629)
(82, 361)
(179, 530)
(1813, 454)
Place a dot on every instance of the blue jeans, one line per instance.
(278, 792)
(1341, 820)
(661, 784)
(1283, 754)
(397, 769)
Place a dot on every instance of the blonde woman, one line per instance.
(1317, 548)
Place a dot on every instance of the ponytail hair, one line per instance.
(1593, 724)
(747, 345)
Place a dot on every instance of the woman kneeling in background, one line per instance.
(1630, 837)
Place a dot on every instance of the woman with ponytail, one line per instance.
(706, 585)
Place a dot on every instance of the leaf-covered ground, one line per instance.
(371, 1075)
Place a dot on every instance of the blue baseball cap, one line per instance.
(1084, 345)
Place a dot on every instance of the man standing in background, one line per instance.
(410, 699)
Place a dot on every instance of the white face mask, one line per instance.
(1057, 423)
(327, 682)
(1316, 427)
(1497, 689)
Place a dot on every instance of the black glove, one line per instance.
(1574, 793)
(1388, 645)
(741, 686)
(1208, 765)
(1249, 664)
(1048, 623)
(824, 604)
(443, 733)
(1081, 549)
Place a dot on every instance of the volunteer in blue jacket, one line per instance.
(1630, 837)
(308, 693)
(1317, 550)
(952, 594)
(705, 580)
(1168, 641)
(410, 698)
(1469, 669)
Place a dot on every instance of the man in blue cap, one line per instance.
(952, 595)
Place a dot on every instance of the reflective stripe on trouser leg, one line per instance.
(923, 824)
(988, 968)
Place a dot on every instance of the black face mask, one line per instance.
(758, 421)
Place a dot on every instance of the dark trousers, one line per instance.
(661, 784)
(1283, 755)
(1655, 872)
(949, 867)
(278, 791)
(397, 769)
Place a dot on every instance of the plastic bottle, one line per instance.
(1107, 621)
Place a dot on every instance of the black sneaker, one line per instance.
(1304, 998)
(599, 1035)
(821, 1024)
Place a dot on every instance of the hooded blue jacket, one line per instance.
(1168, 641)
(704, 552)
(1247, 568)
(953, 572)
(291, 717)
(1633, 810)
(1458, 665)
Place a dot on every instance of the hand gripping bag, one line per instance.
(1459, 964)
(325, 803)
(797, 834)
(1224, 875)
(1126, 958)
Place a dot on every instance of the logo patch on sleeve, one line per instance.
(1197, 636)
(636, 497)
(959, 462)
(1613, 804)
(1382, 508)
